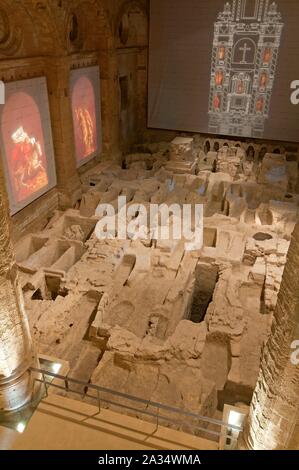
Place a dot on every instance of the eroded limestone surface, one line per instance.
(150, 319)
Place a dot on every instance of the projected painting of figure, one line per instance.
(27, 155)
(87, 127)
(85, 83)
(27, 161)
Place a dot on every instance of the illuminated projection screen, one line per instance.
(85, 100)
(26, 142)
(224, 67)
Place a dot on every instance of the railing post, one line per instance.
(99, 400)
(158, 416)
(45, 384)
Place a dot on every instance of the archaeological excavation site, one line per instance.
(149, 225)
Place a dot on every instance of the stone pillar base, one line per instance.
(70, 193)
(18, 391)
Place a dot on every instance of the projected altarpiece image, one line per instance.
(26, 142)
(85, 100)
(245, 53)
(223, 67)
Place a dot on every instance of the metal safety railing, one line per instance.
(184, 419)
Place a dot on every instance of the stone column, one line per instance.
(16, 353)
(142, 93)
(110, 104)
(275, 405)
(58, 78)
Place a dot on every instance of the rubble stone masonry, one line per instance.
(273, 421)
(15, 341)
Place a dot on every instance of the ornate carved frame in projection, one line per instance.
(246, 45)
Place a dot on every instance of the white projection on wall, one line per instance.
(26, 142)
(247, 38)
(86, 110)
(225, 67)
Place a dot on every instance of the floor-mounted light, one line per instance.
(21, 427)
(56, 368)
(235, 418)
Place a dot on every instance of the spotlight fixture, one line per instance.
(21, 427)
(56, 368)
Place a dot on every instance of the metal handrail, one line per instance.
(159, 406)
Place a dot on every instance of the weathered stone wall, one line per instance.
(132, 51)
(274, 409)
(15, 342)
(48, 38)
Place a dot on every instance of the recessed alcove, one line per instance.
(60, 256)
(75, 228)
(261, 237)
(28, 247)
(206, 277)
(50, 289)
(210, 237)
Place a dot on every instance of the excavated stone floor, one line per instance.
(150, 319)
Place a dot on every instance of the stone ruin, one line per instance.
(150, 319)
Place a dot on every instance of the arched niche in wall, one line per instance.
(132, 25)
(88, 25)
(123, 29)
(74, 32)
